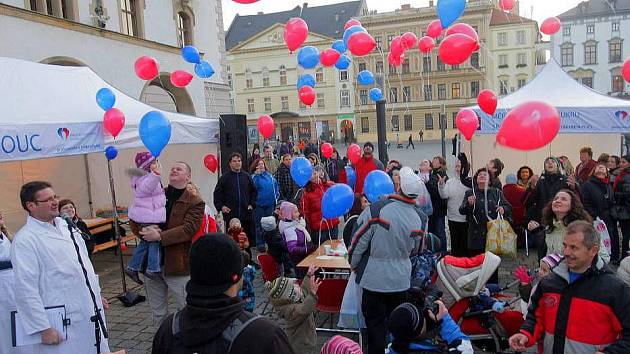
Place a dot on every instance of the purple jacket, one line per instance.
(294, 236)
(149, 203)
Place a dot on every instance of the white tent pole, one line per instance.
(116, 232)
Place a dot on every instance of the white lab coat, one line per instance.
(5, 248)
(48, 273)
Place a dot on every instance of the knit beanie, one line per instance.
(554, 159)
(286, 210)
(369, 144)
(268, 223)
(552, 260)
(341, 345)
(281, 291)
(144, 160)
(406, 322)
(510, 179)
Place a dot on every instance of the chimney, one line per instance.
(260, 13)
(431, 3)
(305, 5)
(405, 7)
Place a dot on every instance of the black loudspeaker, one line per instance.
(233, 130)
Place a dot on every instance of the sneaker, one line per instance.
(133, 275)
(153, 275)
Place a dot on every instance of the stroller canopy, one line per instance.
(465, 277)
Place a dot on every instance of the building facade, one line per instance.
(262, 74)
(109, 35)
(593, 43)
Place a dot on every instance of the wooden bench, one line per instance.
(110, 244)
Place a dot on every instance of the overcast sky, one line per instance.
(542, 8)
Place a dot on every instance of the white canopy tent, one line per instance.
(588, 118)
(51, 129)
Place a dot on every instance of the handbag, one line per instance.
(501, 238)
(350, 315)
(604, 239)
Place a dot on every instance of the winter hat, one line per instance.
(557, 162)
(406, 322)
(268, 223)
(144, 160)
(219, 252)
(624, 270)
(410, 183)
(281, 291)
(510, 179)
(286, 210)
(369, 144)
(552, 260)
(341, 345)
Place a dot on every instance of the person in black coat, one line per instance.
(621, 209)
(549, 183)
(235, 196)
(67, 206)
(437, 223)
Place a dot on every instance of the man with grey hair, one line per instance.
(581, 307)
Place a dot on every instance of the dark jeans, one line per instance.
(625, 231)
(613, 231)
(459, 235)
(437, 226)
(376, 308)
(410, 143)
(149, 250)
(259, 213)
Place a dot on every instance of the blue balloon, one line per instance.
(343, 63)
(365, 77)
(352, 176)
(191, 54)
(350, 31)
(377, 184)
(308, 57)
(111, 153)
(449, 11)
(339, 46)
(155, 132)
(301, 171)
(306, 80)
(337, 201)
(376, 94)
(204, 70)
(105, 98)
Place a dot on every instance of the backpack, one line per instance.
(220, 345)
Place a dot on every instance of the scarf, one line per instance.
(619, 178)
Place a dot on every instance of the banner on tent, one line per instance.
(25, 142)
(573, 120)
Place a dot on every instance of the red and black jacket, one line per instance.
(588, 315)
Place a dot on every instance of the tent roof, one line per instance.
(41, 94)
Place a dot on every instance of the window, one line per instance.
(343, 75)
(521, 82)
(408, 122)
(590, 53)
(614, 51)
(265, 76)
(440, 65)
(302, 105)
(267, 101)
(617, 80)
(428, 92)
(474, 60)
(503, 87)
(363, 96)
(566, 51)
(503, 61)
(520, 37)
(283, 75)
(390, 38)
(615, 26)
(393, 95)
(405, 66)
(406, 92)
(379, 42)
(320, 101)
(426, 64)
(304, 130)
(395, 123)
(428, 121)
(365, 125)
(345, 98)
(502, 39)
(590, 29)
(229, 76)
(455, 90)
(441, 91)
(319, 75)
(362, 66)
(454, 120)
(587, 81)
(454, 67)
(184, 29)
(566, 31)
(249, 83)
(129, 21)
(250, 105)
(284, 101)
(379, 67)
(521, 60)
(392, 69)
(474, 89)
(59, 8)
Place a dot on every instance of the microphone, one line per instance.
(66, 217)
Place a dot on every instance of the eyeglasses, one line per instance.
(53, 198)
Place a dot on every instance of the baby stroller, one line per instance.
(461, 280)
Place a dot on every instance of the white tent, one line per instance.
(51, 129)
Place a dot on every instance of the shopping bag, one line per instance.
(501, 238)
(350, 316)
(604, 239)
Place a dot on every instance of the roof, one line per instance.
(500, 17)
(592, 8)
(320, 20)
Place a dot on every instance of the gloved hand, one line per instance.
(484, 292)
(522, 274)
(302, 222)
(499, 306)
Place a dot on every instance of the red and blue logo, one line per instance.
(621, 115)
(64, 133)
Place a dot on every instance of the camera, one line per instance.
(424, 298)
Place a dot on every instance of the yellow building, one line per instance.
(263, 74)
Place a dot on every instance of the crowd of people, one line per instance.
(577, 220)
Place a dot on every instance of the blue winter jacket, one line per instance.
(267, 188)
(457, 342)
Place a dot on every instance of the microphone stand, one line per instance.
(98, 317)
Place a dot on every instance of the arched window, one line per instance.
(161, 94)
(283, 75)
(184, 29)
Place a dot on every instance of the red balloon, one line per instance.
(395, 60)
(426, 44)
(266, 127)
(487, 101)
(396, 47)
(456, 48)
(506, 5)
(410, 40)
(329, 57)
(123, 246)
(180, 78)
(434, 29)
(550, 26)
(211, 163)
(354, 153)
(147, 68)
(295, 33)
(351, 23)
(529, 126)
(467, 123)
(113, 121)
(625, 70)
(327, 150)
(307, 95)
(361, 43)
(466, 29)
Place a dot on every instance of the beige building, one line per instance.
(263, 74)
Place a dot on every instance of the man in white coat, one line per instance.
(48, 274)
